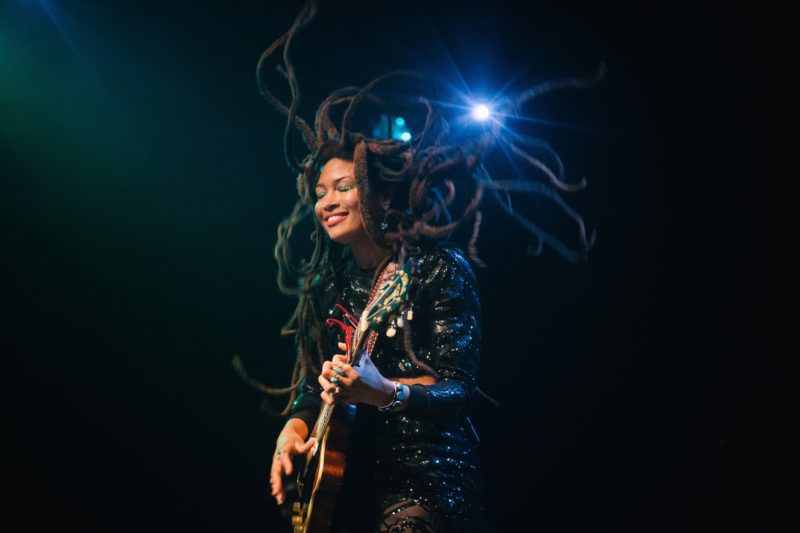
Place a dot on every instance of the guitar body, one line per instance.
(320, 475)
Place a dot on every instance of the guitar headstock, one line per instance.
(389, 307)
(391, 298)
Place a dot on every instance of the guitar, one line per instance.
(320, 473)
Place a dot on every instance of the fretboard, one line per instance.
(324, 418)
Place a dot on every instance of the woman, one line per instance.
(412, 459)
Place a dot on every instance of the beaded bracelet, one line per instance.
(397, 400)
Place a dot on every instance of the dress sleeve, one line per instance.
(451, 318)
(307, 404)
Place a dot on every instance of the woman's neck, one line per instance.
(368, 254)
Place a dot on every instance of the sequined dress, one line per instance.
(418, 469)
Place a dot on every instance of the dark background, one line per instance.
(143, 180)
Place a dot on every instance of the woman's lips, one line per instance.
(334, 219)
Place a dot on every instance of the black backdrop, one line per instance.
(144, 179)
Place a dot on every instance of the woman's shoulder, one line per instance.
(445, 260)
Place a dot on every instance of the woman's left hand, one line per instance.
(364, 384)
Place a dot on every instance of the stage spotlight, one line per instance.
(481, 112)
(405, 136)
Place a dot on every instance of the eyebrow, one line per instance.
(337, 180)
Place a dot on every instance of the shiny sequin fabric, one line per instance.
(416, 470)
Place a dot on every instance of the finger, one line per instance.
(327, 398)
(339, 370)
(326, 385)
(274, 478)
(273, 486)
(336, 395)
(305, 448)
(276, 484)
(280, 496)
(276, 475)
(339, 359)
(286, 463)
(333, 373)
(342, 346)
(343, 383)
(275, 469)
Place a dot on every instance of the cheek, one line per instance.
(353, 204)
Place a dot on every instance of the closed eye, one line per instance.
(341, 188)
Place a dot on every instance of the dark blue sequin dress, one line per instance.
(415, 470)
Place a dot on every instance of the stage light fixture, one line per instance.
(481, 112)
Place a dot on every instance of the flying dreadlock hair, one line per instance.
(435, 187)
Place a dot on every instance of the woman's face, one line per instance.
(337, 207)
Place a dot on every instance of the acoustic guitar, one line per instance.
(320, 473)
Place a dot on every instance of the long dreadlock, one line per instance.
(435, 187)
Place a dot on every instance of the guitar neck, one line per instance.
(386, 299)
(324, 418)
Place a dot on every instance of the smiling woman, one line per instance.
(337, 206)
(413, 459)
(383, 212)
(338, 210)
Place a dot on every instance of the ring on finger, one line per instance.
(335, 380)
(338, 370)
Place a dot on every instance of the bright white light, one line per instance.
(480, 112)
(405, 136)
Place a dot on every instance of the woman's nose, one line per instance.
(329, 206)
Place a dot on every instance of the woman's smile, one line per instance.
(334, 218)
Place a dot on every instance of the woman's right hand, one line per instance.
(290, 443)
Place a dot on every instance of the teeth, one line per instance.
(335, 218)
